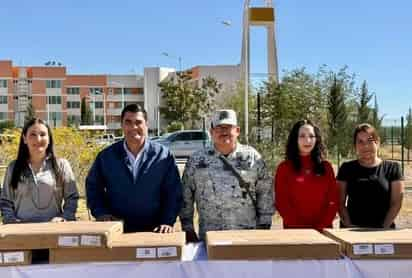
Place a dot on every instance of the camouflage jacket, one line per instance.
(222, 204)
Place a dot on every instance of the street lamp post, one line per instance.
(179, 58)
(92, 97)
(94, 107)
(48, 108)
(158, 113)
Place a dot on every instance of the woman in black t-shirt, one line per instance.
(371, 189)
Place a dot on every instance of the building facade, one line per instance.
(56, 96)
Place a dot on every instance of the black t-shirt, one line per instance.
(369, 191)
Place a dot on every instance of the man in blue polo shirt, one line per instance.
(135, 180)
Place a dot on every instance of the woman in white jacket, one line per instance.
(37, 186)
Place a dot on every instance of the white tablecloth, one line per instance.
(196, 265)
(195, 269)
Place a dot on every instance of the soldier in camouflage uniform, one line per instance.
(221, 200)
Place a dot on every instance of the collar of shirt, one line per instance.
(134, 161)
(45, 167)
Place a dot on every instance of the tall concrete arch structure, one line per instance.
(257, 16)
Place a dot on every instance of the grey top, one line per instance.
(220, 201)
(38, 198)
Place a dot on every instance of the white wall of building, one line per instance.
(127, 81)
(122, 82)
(228, 75)
(152, 95)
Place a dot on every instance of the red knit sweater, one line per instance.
(304, 199)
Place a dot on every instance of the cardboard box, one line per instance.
(127, 247)
(360, 243)
(270, 244)
(9, 258)
(54, 235)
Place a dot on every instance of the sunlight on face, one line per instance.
(37, 139)
(306, 139)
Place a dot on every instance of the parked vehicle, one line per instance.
(185, 142)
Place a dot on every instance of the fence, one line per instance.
(396, 144)
(396, 137)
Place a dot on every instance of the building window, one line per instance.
(134, 102)
(128, 91)
(73, 104)
(73, 91)
(3, 116)
(55, 116)
(3, 83)
(54, 100)
(53, 83)
(98, 104)
(96, 91)
(99, 119)
(3, 99)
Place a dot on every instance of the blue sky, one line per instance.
(372, 37)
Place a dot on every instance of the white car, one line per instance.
(185, 142)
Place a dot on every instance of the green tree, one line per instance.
(185, 101)
(306, 99)
(236, 102)
(6, 125)
(30, 113)
(276, 110)
(376, 119)
(337, 118)
(209, 90)
(85, 113)
(364, 110)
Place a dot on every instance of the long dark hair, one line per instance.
(23, 156)
(317, 154)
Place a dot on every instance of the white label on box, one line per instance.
(145, 253)
(13, 257)
(165, 252)
(384, 249)
(71, 241)
(362, 249)
(88, 240)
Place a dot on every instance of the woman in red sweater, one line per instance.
(306, 192)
